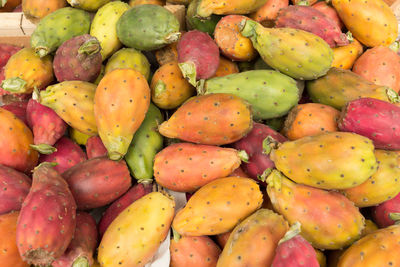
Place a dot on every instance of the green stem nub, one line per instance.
(44, 149)
(264, 175)
(3, 3)
(188, 70)
(172, 37)
(145, 181)
(176, 235)
(90, 47)
(81, 262)
(392, 95)
(14, 85)
(243, 156)
(395, 217)
(159, 89)
(294, 230)
(268, 144)
(115, 156)
(395, 46)
(349, 36)
(275, 179)
(46, 163)
(42, 51)
(303, 3)
(248, 28)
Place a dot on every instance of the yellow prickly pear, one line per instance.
(224, 7)
(134, 236)
(121, 102)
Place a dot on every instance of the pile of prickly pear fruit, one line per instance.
(242, 133)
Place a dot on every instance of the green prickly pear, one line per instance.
(104, 27)
(58, 27)
(335, 160)
(195, 23)
(328, 219)
(145, 144)
(270, 93)
(297, 53)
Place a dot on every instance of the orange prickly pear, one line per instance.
(321, 258)
(269, 11)
(373, 23)
(15, 141)
(253, 242)
(345, 56)
(329, 220)
(195, 251)
(38, 9)
(214, 119)
(218, 206)
(121, 102)
(167, 54)
(226, 67)
(370, 227)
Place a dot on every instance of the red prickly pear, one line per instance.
(259, 162)
(19, 110)
(98, 182)
(95, 147)
(376, 119)
(294, 251)
(46, 125)
(6, 51)
(312, 20)
(47, 219)
(198, 56)
(14, 187)
(239, 172)
(381, 212)
(67, 155)
(120, 204)
(329, 11)
(222, 239)
(80, 250)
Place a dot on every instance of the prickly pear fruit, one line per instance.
(78, 59)
(198, 56)
(9, 255)
(47, 219)
(73, 102)
(6, 51)
(134, 236)
(329, 11)
(46, 125)
(38, 9)
(270, 93)
(222, 239)
(373, 23)
(104, 27)
(218, 206)
(309, 19)
(146, 143)
(78, 137)
(14, 188)
(195, 23)
(201, 114)
(67, 155)
(25, 71)
(169, 89)
(321, 258)
(231, 42)
(332, 222)
(310, 119)
(15, 141)
(148, 27)
(129, 58)
(89, 5)
(18, 109)
(339, 86)
(167, 54)
(345, 56)
(375, 249)
(226, 67)
(376, 119)
(269, 11)
(253, 241)
(133, 3)
(379, 65)
(80, 250)
(95, 147)
(117, 122)
(185, 167)
(259, 162)
(9, 5)
(208, 7)
(311, 59)
(197, 251)
(58, 27)
(370, 227)
(97, 182)
(294, 250)
(133, 194)
(381, 212)
(328, 160)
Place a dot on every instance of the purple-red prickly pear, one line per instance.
(6, 51)
(46, 125)
(259, 162)
(329, 11)
(376, 119)
(78, 59)
(80, 250)
(136, 192)
(97, 182)
(381, 212)
(19, 110)
(95, 147)
(294, 251)
(14, 187)
(198, 56)
(47, 219)
(67, 155)
(312, 20)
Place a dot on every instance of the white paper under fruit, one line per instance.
(162, 257)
